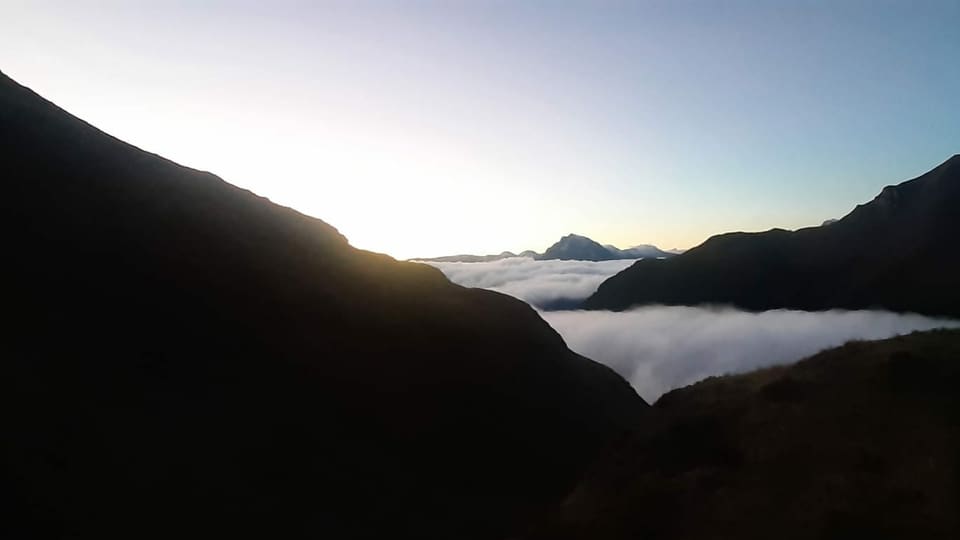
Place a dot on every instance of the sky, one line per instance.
(423, 129)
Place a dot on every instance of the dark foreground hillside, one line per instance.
(896, 252)
(182, 358)
(862, 441)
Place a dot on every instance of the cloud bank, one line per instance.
(660, 348)
(542, 284)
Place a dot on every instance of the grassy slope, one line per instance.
(861, 439)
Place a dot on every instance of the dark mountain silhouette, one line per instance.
(182, 357)
(895, 252)
(856, 442)
(569, 247)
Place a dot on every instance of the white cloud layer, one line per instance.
(659, 348)
(543, 284)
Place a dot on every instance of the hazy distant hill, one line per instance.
(856, 442)
(895, 252)
(642, 251)
(472, 258)
(569, 247)
(184, 358)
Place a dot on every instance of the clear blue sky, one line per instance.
(429, 128)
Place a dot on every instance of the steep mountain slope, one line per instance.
(856, 442)
(182, 355)
(894, 252)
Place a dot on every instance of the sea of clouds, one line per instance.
(542, 284)
(659, 348)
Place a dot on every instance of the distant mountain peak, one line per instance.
(579, 247)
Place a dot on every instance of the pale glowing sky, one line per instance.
(432, 128)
